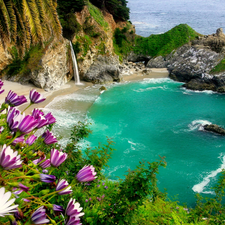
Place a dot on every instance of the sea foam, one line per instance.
(198, 124)
(199, 188)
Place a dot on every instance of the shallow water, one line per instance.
(157, 117)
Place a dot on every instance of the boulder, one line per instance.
(214, 128)
(104, 70)
(158, 62)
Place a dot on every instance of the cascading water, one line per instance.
(75, 67)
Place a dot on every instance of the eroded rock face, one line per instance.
(105, 70)
(54, 67)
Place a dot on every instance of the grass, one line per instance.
(164, 44)
(97, 15)
(219, 67)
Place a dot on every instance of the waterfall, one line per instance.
(75, 67)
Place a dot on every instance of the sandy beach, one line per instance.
(68, 88)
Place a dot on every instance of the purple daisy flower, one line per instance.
(14, 100)
(31, 140)
(23, 187)
(18, 140)
(9, 159)
(49, 138)
(47, 178)
(87, 173)
(73, 220)
(64, 186)
(45, 164)
(51, 119)
(39, 116)
(39, 216)
(36, 97)
(58, 208)
(74, 209)
(27, 124)
(14, 118)
(57, 157)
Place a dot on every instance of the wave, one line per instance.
(199, 188)
(72, 97)
(189, 92)
(158, 80)
(198, 124)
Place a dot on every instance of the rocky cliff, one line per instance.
(93, 44)
(193, 63)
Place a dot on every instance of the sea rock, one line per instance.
(214, 128)
(102, 88)
(104, 70)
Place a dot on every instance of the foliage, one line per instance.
(220, 67)
(23, 23)
(76, 47)
(72, 6)
(118, 8)
(123, 41)
(163, 44)
(97, 15)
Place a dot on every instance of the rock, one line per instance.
(146, 71)
(219, 32)
(158, 62)
(102, 88)
(133, 57)
(198, 84)
(104, 70)
(53, 68)
(214, 128)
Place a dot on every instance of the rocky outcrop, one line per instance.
(94, 40)
(214, 128)
(105, 69)
(193, 62)
(53, 68)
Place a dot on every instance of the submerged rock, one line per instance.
(214, 128)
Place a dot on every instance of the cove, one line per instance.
(157, 117)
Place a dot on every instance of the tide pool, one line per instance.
(157, 117)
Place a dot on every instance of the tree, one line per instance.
(26, 22)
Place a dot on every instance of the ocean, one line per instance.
(156, 117)
(155, 17)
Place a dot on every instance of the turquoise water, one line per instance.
(157, 117)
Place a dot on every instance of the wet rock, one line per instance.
(214, 128)
(102, 88)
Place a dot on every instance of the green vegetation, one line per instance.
(24, 66)
(123, 41)
(118, 8)
(219, 67)
(26, 23)
(163, 44)
(97, 15)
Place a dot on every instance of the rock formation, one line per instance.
(193, 62)
(214, 128)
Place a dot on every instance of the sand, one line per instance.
(68, 88)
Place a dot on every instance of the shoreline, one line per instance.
(70, 87)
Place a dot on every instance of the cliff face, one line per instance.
(54, 67)
(96, 39)
(193, 63)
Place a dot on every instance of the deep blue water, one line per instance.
(155, 17)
